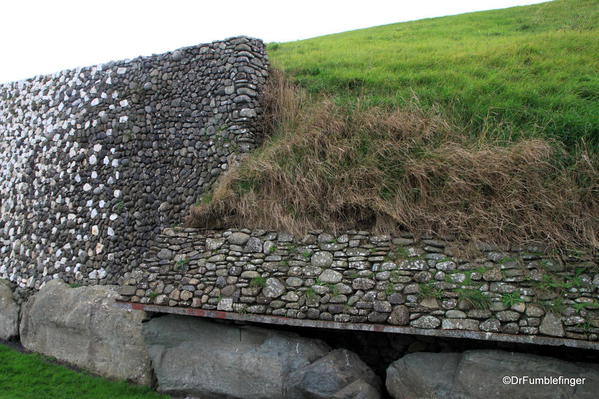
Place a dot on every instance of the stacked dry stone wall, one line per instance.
(96, 161)
(359, 277)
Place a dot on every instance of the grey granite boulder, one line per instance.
(481, 373)
(83, 327)
(9, 313)
(339, 374)
(212, 360)
(215, 360)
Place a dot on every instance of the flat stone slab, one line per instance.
(256, 318)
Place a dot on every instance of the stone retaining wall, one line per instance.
(96, 161)
(359, 277)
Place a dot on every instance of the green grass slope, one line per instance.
(482, 126)
(30, 376)
(520, 72)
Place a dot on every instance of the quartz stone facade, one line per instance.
(96, 161)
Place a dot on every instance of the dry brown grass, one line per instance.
(329, 168)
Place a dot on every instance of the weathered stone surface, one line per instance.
(238, 238)
(426, 322)
(81, 326)
(200, 357)
(214, 243)
(382, 306)
(413, 264)
(430, 303)
(225, 304)
(490, 325)
(249, 274)
(445, 266)
(330, 276)
(294, 282)
(493, 274)
(273, 288)
(127, 290)
(534, 310)
(552, 325)
(479, 374)
(322, 259)
(422, 375)
(400, 316)
(9, 313)
(455, 314)
(330, 375)
(164, 254)
(358, 389)
(459, 324)
(253, 245)
(376, 317)
(363, 284)
(508, 315)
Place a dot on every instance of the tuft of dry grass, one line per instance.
(335, 168)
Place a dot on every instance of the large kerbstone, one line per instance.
(339, 374)
(81, 326)
(480, 373)
(9, 313)
(215, 360)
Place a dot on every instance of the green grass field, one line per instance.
(31, 376)
(520, 72)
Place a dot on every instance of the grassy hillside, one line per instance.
(531, 71)
(480, 126)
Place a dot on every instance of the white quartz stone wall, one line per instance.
(96, 160)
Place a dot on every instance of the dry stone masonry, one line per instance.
(360, 277)
(97, 160)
